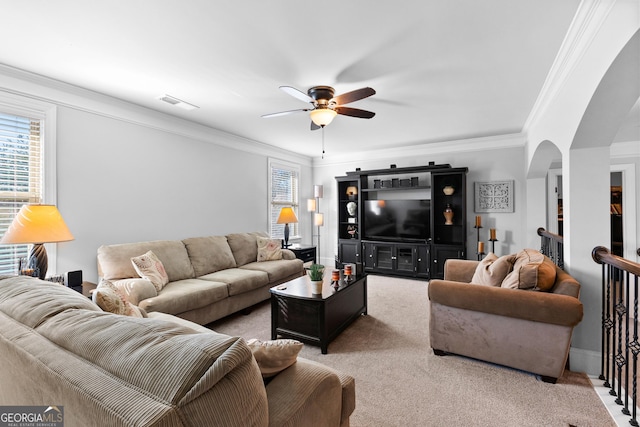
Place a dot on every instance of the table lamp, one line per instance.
(287, 216)
(37, 224)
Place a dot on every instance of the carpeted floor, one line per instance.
(400, 382)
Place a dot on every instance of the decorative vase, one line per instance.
(448, 190)
(316, 287)
(448, 215)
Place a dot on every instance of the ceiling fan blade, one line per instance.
(284, 113)
(355, 112)
(297, 94)
(314, 126)
(355, 95)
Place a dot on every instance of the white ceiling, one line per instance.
(443, 70)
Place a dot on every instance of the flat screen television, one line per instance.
(397, 220)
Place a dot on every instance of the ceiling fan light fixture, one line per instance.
(322, 116)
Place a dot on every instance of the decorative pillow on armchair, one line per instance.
(531, 270)
(149, 267)
(492, 270)
(274, 356)
(268, 249)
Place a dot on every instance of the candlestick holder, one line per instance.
(493, 245)
(480, 250)
(478, 227)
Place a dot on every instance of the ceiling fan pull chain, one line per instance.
(323, 142)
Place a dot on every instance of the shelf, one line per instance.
(418, 187)
(410, 169)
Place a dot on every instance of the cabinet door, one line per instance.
(383, 257)
(368, 256)
(349, 251)
(422, 260)
(440, 254)
(405, 259)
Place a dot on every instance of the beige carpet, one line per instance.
(400, 382)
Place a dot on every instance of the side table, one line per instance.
(88, 288)
(305, 253)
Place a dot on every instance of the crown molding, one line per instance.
(627, 149)
(586, 24)
(20, 83)
(498, 142)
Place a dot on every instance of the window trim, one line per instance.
(47, 112)
(283, 164)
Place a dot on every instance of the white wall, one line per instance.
(120, 182)
(127, 174)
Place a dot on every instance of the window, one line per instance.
(283, 191)
(21, 177)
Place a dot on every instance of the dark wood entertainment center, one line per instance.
(404, 247)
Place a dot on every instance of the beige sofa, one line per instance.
(103, 369)
(524, 329)
(209, 277)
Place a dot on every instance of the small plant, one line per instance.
(316, 271)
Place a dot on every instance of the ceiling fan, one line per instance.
(325, 105)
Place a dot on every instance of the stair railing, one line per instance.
(552, 246)
(619, 315)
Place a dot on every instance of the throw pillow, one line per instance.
(136, 289)
(268, 249)
(492, 270)
(149, 267)
(110, 299)
(274, 356)
(531, 270)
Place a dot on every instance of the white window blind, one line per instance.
(283, 182)
(21, 177)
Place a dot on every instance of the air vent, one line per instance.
(177, 102)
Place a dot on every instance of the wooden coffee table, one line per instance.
(316, 319)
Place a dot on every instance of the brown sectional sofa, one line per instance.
(524, 329)
(209, 277)
(104, 369)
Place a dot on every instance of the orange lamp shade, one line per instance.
(37, 224)
(287, 216)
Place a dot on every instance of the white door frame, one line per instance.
(552, 200)
(628, 209)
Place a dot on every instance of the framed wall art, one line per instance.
(494, 196)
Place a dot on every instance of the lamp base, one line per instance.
(286, 236)
(38, 260)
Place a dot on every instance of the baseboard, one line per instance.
(587, 361)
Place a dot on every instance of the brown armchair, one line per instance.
(523, 329)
